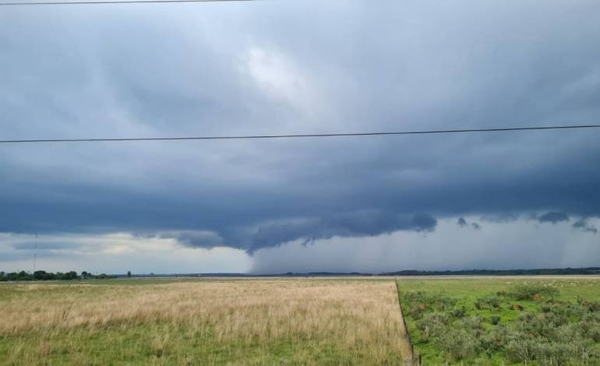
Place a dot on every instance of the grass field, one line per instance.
(502, 321)
(201, 322)
(333, 321)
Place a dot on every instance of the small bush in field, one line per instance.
(459, 344)
(432, 325)
(459, 312)
(563, 353)
(496, 339)
(520, 350)
(538, 326)
(433, 301)
(529, 292)
(487, 302)
(590, 327)
(594, 306)
(495, 319)
(472, 323)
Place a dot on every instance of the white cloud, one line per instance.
(115, 253)
(279, 78)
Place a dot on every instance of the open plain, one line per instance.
(201, 322)
(302, 321)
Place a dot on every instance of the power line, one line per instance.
(289, 136)
(107, 2)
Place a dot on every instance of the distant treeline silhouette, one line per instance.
(49, 276)
(507, 272)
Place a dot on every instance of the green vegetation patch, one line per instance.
(167, 344)
(554, 322)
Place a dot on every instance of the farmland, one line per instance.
(502, 321)
(201, 322)
(301, 321)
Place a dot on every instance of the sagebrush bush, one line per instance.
(432, 325)
(459, 344)
(520, 350)
(551, 332)
(432, 301)
(487, 302)
(494, 319)
(529, 292)
(459, 312)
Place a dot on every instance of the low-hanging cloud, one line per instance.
(349, 224)
(553, 217)
(584, 225)
(463, 223)
(552, 246)
(200, 239)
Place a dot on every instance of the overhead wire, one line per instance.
(109, 2)
(248, 137)
(298, 136)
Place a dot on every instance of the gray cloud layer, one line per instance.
(553, 217)
(282, 67)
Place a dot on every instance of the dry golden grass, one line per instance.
(299, 321)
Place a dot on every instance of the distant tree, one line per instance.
(128, 273)
(40, 275)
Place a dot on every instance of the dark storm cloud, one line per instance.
(553, 217)
(279, 67)
(583, 225)
(349, 224)
(423, 222)
(200, 239)
(463, 223)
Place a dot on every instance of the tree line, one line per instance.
(508, 272)
(50, 276)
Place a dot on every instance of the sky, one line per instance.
(369, 204)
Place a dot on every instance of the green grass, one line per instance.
(200, 322)
(465, 293)
(163, 344)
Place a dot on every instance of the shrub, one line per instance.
(529, 292)
(496, 339)
(459, 312)
(553, 353)
(490, 302)
(495, 319)
(472, 322)
(432, 325)
(433, 301)
(590, 327)
(459, 344)
(520, 350)
(594, 306)
(529, 323)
